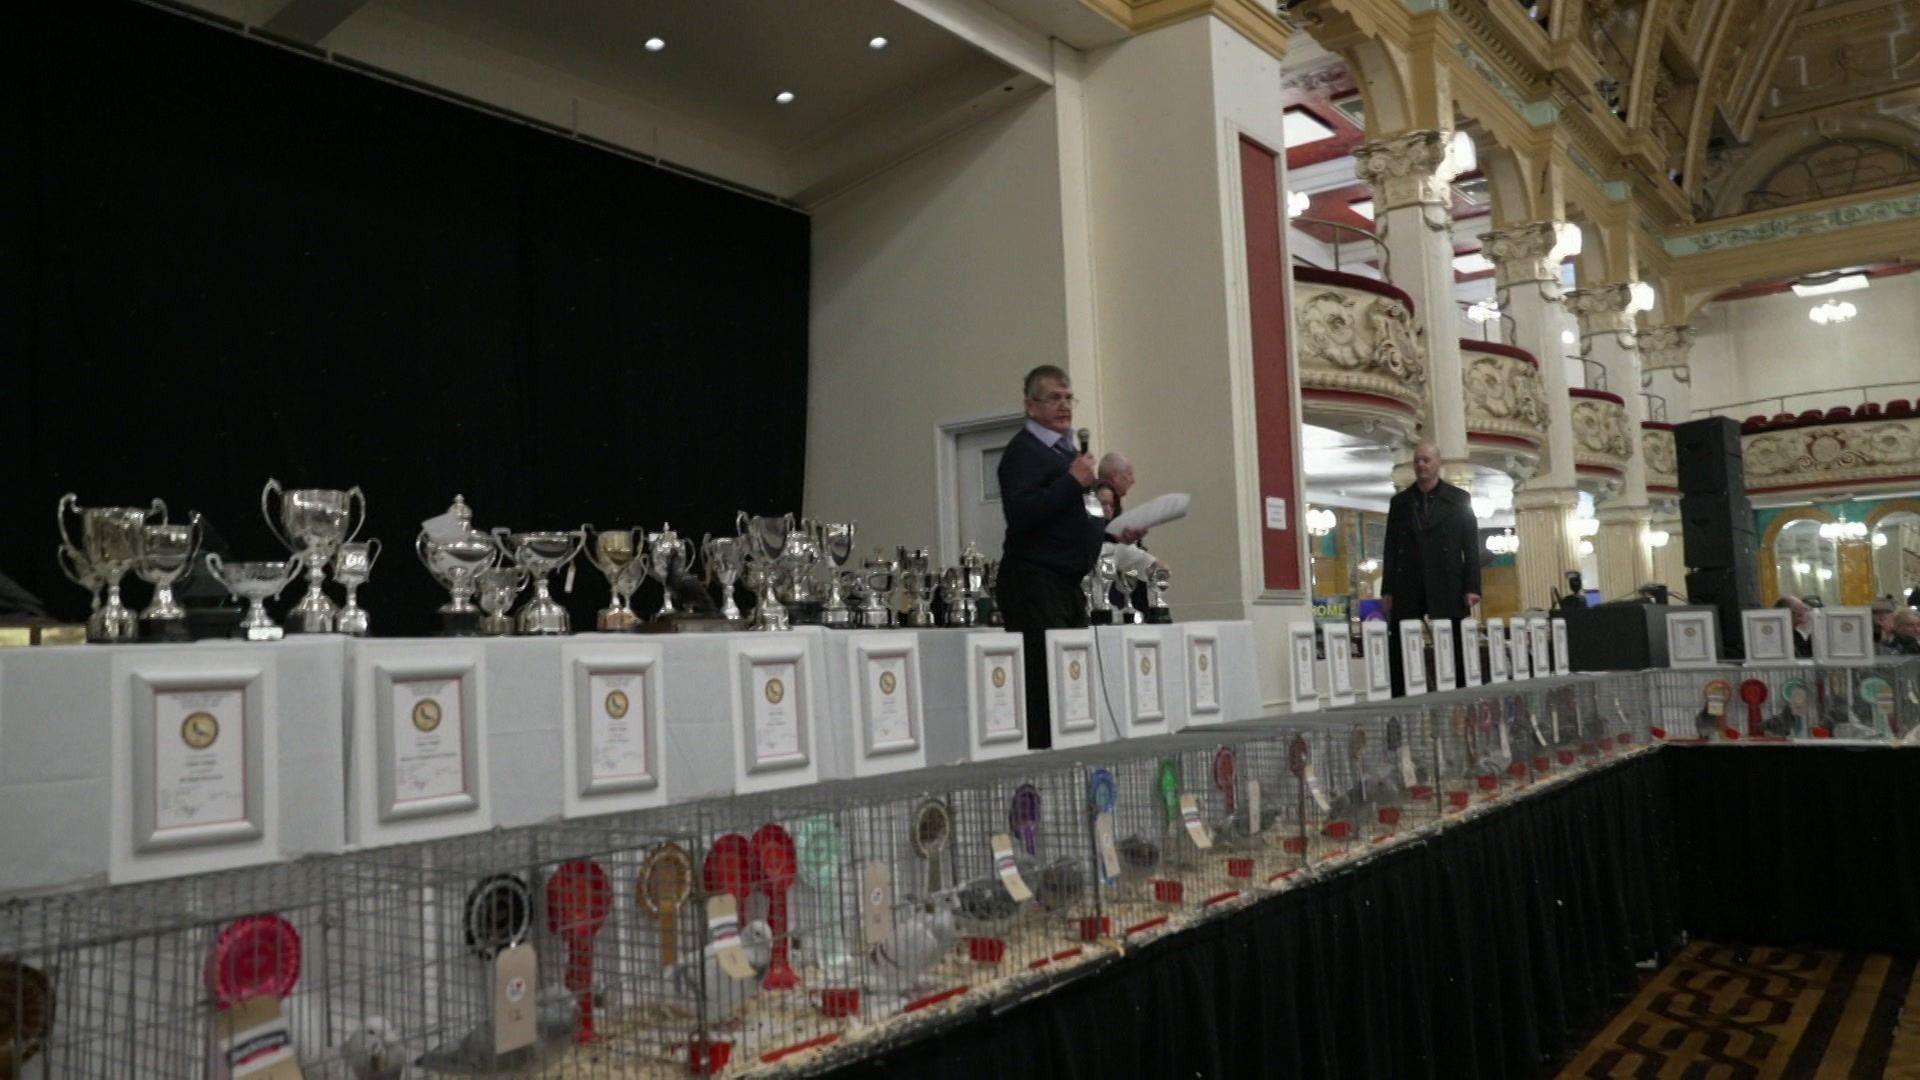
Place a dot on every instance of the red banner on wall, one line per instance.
(1272, 372)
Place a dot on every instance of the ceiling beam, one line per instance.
(308, 22)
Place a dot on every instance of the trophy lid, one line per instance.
(460, 511)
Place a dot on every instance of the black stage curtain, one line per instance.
(1799, 845)
(1491, 950)
(221, 260)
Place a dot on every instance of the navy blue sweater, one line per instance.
(1047, 519)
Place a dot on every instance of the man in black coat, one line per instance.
(1055, 526)
(1432, 560)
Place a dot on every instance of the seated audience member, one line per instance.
(1802, 624)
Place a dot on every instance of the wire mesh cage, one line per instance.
(1024, 864)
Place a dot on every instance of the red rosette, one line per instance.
(1657, 732)
(255, 956)
(1730, 733)
(1389, 816)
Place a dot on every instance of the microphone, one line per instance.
(1085, 438)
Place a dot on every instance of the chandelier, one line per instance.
(1483, 311)
(1843, 530)
(1320, 521)
(1833, 311)
(1504, 543)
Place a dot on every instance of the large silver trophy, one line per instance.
(1099, 587)
(798, 557)
(313, 523)
(499, 587)
(766, 538)
(1125, 580)
(877, 579)
(81, 573)
(835, 544)
(668, 556)
(455, 553)
(256, 583)
(917, 569)
(111, 540)
(617, 554)
(166, 553)
(1160, 579)
(351, 568)
(725, 558)
(540, 554)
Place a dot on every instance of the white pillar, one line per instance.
(1607, 336)
(1663, 363)
(1410, 174)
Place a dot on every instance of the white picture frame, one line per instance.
(1413, 658)
(1073, 690)
(1445, 676)
(1146, 685)
(1301, 663)
(1203, 677)
(1375, 640)
(997, 672)
(1843, 635)
(611, 741)
(1540, 646)
(1338, 649)
(441, 692)
(1562, 660)
(1498, 655)
(1470, 672)
(1768, 634)
(1519, 649)
(873, 662)
(1692, 639)
(772, 696)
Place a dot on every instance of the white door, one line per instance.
(975, 492)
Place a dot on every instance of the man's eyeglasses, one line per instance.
(1057, 399)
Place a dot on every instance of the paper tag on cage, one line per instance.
(1109, 850)
(516, 975)
(1197, 829)
(252, 1042)
(723, 929)
(876, 904)
(1539, 736)
(1009, 873)
(1506, 748)
(1408, 774)
(1313, 788)
(1253, 808)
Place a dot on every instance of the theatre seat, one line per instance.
(1839, 412)
(1753, 423)
(1812, 416)
(1869, 411)
(1780, 420)
(1899, 408)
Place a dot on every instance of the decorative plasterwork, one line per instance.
(1602, 308)
(1523, 253)
(1666, 347)
(1804, 223)
(1600, 433)
(1358, 342)
(1504, 395)
(1841, 455)
(1538, 113)
(1616, 190)
(1656, 449)
(1407, 170)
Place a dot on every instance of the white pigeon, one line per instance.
(374, 1051)
(921, 938)
(717, 995)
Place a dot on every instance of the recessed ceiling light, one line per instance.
(655, 44)
(877, 43)
(1300, 127)
(784, 97)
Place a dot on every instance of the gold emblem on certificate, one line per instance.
(1204, 662)
(1146, 665)
(999, 678)
(617, 704)
(426, 714)
(199, 730)
(888, 684)
(1073, 671)
(775, 691)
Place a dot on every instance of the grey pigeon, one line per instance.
(922, 937)
(374, 1051)
(718, 996)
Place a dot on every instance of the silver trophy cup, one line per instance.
(877, 579)
(765, 539)
(540, 554)
(166, 553)
(619, 555)
(1099, 586)
(1161, 579)
(922, 579)
(725, 558)
(81, 572)
(111, 539)
(668, 556)
(455, 556)
(499, 587)
(1125, 580)
(256, 583)
(835, 541)
(352, 566)
(313, 523)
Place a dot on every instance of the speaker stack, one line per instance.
(1716, 523)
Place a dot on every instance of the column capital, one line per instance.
(1408, 169)
(1666, 347)
(1603, 308)
(1528, 498)
(1524, 253)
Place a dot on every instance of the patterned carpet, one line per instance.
(1720, 1011)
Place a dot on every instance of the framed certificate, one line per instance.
(1497, 652)
(1146, 708)
(1519, 653)
(426, 744)
(1300, 649)
(611, 743)
(1470, 652)
(997, 692)
(1444, 676)
(773, 699)
(1769, 635)
(1073, 686)
(1843, 635)
(1562, 660)
(1540, 646)
(1203, 673)
(1339, 651)
(197, 755)
(1413, 656)
(1375, 640)
(1691, 639)
(887, 695)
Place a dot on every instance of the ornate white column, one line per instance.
(1526, 260)
(1607, 336)
(1410, 173)
(1663, 365)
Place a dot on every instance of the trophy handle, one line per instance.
(196, 536)
(500, 534)
(273, 486)
(216, 567)
(294, 566)
(588, 550)
(579, 542)
(159, 507)
(354, 494)
(420, 552)
(373, 553)
(687, 553)
(69, 559)
(69, 501)
(740, 519)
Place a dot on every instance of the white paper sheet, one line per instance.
(1169, 507)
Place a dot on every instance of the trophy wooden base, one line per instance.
(165, 630)
(683, 623)
(459, 623)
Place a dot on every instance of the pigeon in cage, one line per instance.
(1139, 855)
(1057, 885)
(921, 938)
(721, 997)
(986, 900)
(374, 1051)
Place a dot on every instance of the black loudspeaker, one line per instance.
(1620, 636)
(1707, 453)
(1729, 590)
(1717, 530)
